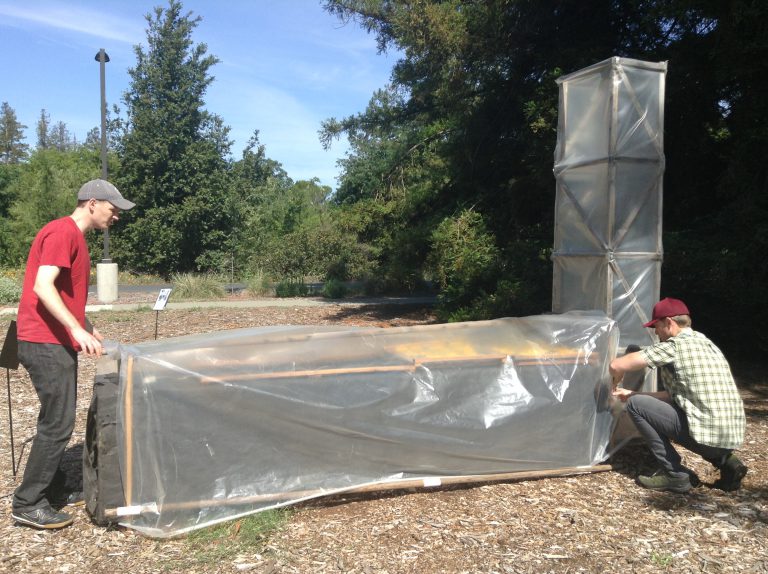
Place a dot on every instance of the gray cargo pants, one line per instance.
(660, 423)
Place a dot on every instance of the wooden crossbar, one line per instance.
(408, 367)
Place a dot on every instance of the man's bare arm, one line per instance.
(46, 292)
(630, 362)
(621, 365)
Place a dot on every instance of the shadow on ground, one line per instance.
(390, 315)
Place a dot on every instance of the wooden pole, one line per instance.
(128, 428)
(410, 367)
(429, 482)
(553, 356)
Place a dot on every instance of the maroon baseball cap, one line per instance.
(667, 307)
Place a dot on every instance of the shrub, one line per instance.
(197, 287)
(258, 284)
(334, 289)
(464, 260)
(132, 278)
(291, 288)
(10, 291)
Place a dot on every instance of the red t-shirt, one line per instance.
(60, 243)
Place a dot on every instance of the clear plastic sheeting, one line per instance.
(609, 165)
(216, 426)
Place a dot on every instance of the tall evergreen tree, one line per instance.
(60, 138)
(42, 129)
(93, 138)
(12, 147)
(174, 154)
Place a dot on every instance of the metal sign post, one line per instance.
(162, 300)
(9, 359)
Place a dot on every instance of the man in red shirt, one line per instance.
(51, 331)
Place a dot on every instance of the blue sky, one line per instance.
(286, 65)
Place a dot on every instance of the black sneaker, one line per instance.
(44, 518)
(731, 474)
(75, 498)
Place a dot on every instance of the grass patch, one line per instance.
(224, 542)
(188, 286)
(128, 278)
(662, 559)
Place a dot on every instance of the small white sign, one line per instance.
(162, 299)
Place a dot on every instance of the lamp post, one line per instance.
(106, 271)
(102, 58)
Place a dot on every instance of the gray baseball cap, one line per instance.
(103, 190)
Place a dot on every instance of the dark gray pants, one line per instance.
(53, 370)
(659, 423)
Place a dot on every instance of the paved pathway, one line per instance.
(262, 302)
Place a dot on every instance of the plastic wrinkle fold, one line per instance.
(216, 426)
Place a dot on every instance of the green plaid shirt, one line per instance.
(700, 381)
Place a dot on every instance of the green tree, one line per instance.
(44, 188)
(716, 185)
(452, 130)
(277, 227)
(173, 154)
(389, 194)
(254, 169)
(256, 182)
(12, 146)
(93, 138)
(60, 138)
(475, 86)
(43, 127)
(8, 174)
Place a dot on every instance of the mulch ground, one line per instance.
(590, 523)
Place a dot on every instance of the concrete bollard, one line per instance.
(106, 282)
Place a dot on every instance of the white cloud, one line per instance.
(77, 19)
(287, 127)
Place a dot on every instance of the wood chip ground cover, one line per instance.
(591, 523)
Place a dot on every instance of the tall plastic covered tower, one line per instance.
(609, 166)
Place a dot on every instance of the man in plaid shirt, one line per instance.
(700, 407)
